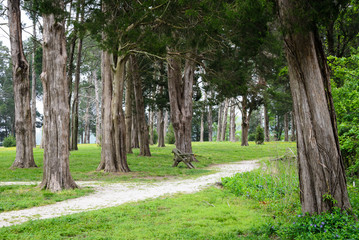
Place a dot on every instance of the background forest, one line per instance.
(134, 75)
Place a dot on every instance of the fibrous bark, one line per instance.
(75, 103)
(20, 72)
(113, 154)
(128, 111)
(140, 109)
(232, 129)
(246, 115)
(202, 127)
(224, 123)
(33, 84)
(160, 128)
(180, 93)
(98, 109)
(219, 125)
(209, 122)
(321, 170)
(56, 174)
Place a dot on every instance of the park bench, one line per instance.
(179, 156)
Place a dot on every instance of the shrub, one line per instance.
(259, 135)
(170, 136)
(251, 137)
(9, 141)
(330, 225)
(155, 136)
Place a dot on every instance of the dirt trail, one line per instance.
(110, 195)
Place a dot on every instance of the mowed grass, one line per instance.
(83, 163)
(210, 214)
(17, 197)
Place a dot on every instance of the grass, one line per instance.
(17, 197)
(84, 162)
(210, 214)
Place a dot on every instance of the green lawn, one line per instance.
(210, 214)
(84, 162)
(17, 197)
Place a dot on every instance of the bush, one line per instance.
(251, 137)
(9, 141)
(334, 225)
(155, 136)
(170, 136)
(259, 135)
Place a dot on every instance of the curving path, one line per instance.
(110, 195)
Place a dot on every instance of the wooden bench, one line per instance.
(179, 156)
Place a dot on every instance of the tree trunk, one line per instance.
(245, 121)
(321, 171)
(150, 117)
(286, 127)
(209, 122)
(233, 122)
(113, 155)
(98, 109)
(75, 103)
(219, 125)
(165, 127)
(135, 137)
(160, 129)
(87, 122)
(56, 174)
(202, 128)
(140, 109)
(180, 93)
(293, 136)
(128, 110)
(33, 84)
(42, 133)
(20, 73)
(224, 124)
(70, 70)
(266, 125)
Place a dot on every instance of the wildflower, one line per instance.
(293, 222)
(315, 225)
(311, 224)
(323, 223)
(325, 230)
(299, 215)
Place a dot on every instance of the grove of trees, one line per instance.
(132, 72)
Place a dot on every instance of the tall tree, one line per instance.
(75, 103)
(321, 170)
(181, 91)
(140, 108)
(20, 73)
(56, 174)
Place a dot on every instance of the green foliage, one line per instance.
(345, 72)
(170, 136)
(259, 135)
(334, 225)
(275, 185)
(16, 197)
(9, 141)
(252, 137)
(155, 136)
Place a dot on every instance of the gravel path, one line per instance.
(110, 195)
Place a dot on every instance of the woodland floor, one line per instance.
(114, 194)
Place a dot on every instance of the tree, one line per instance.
(56, 174)
(20, 73)
(7, 106)
(321, 170)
